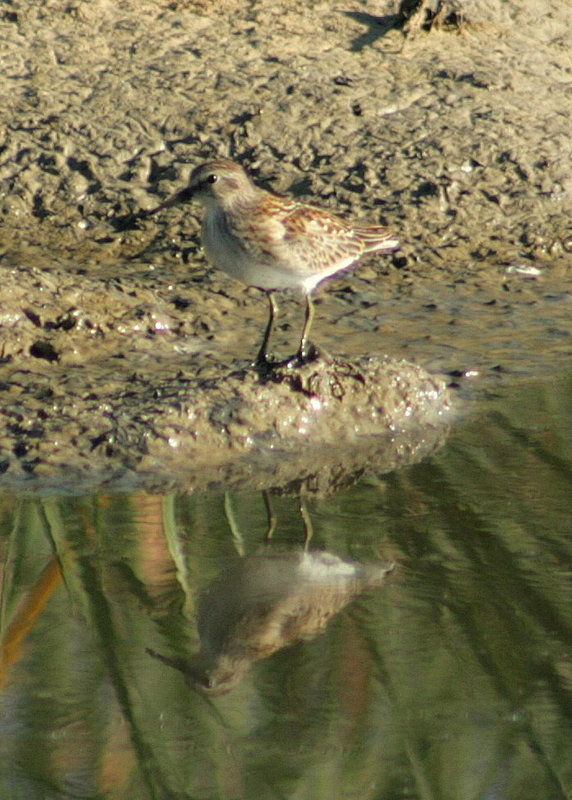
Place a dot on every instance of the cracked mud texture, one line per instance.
(458, 139)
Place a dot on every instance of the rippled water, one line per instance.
(317, 676)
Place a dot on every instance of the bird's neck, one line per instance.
(239, 202)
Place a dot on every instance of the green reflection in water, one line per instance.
(453, 678)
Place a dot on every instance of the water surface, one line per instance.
(451, 677)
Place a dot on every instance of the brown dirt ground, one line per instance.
(459, 138)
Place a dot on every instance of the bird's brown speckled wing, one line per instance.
(304, 237)
(303, 240)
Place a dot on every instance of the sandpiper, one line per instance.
(273, 242)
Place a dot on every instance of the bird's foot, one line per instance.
(264, 365)
(305, 355)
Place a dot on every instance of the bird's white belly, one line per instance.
(225, 251)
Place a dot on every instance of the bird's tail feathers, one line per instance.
(377, 238)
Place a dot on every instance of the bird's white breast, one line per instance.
(227, 252)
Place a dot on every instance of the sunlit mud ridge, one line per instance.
(330, 418)
(288, 423)
(109, 381)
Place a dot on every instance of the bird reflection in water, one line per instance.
(263, 603)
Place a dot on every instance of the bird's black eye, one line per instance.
(212, 178)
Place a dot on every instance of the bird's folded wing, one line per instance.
(304, 237)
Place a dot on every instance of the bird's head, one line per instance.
(220, 182)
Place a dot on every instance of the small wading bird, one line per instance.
(274, 243)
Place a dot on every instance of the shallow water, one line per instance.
(449, 677)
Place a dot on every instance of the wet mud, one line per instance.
(116, 339)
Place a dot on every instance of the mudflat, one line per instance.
(458, 137)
